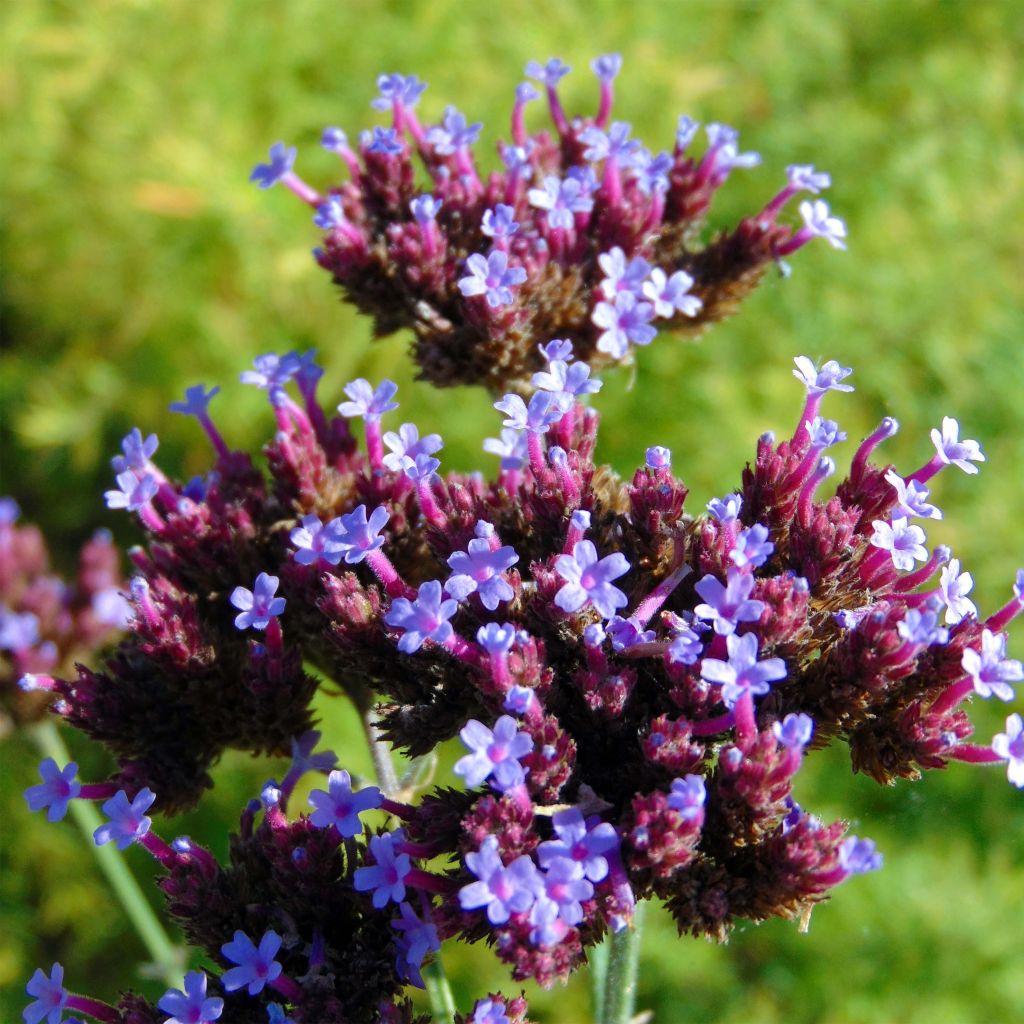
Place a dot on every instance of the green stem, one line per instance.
(620, 980)
(439, 992)
(166, 957)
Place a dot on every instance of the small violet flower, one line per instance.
(903, 541)
(339, 806)
(953, 451)
(687, 796)
(137, 452)
(502, 890)
(480, 570)
(580, 842)
(922, 628)
(499, 223)
(282, 160)
(727, 509)
(133, 491)
(819, 222)
(1009, 746)
(128, 822)
(425, 208)
(620, 275)
(256, 964)
(818, 381)
(191, 1006)
(453, 133)
(425, 618)
(492, 277)
(670, 295)
(625, 321)
(356, 536)
(911, 498)
(386, 876)
(197, 401)
(990, 669)
(407, 446)
(742, 673)
(259, 605)
(368, 402)
(58, 788)
(858, 856)
(725, 607)
(562, 199)
(385, 141)
(417, 940)
(314, 543)
(589, 579)
(543, 410)
(494, 754)
(954, 586)
(794, 731)
(752, 547)
(549, 74)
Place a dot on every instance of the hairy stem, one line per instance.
(167, 959)
(620, 979)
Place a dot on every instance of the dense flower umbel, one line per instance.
(635, 687)
(582, 233)
(47, 624)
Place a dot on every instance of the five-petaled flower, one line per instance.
(368, 402)
(425, 618)
(480, 570)
(50, 996)
(259, 605)
(726, 606)
(589, 579)
(502, 890)
(902, 540)
(339, 806)
(386, 876)
(954, 452)
(128, 821)
(742, 673)
(256, 964)
(58, 788)
(191, 1006)
(491, 277)
(494, 754)
(990, 669)
(1009, 746)
(282, 160)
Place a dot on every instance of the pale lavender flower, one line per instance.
(424, 619)
(259, 605)
(425, 208)
(953, 451)
(386, 141)
(517, 159)
(500, 222)
(330, 214)
(652, 172)
(686, 646)
(272, 373)
(494, 754)
(911, 498)
(671, 294)
(314, 543)
(492, 277)
(922, 628)
(256, 964)
(903, 541)
(686, 132)
(567, 887)
(818, 381)
(727, 509)
(687, 796)
(386, 877)
(396, 88)
(824, 433)
(133, 492)
(453, 132)
(128, 822)
(562, 199)
(805, 178)
(625, 321)
(502, 890)
(495, 638)
(794, 731)
(658, 457)
(752, 547)
(549, 74)
(191, 1006)
(725, 607)
(858, 856)
(543, 410)
(607, 66)
(334, 140)
(580, 842)
(368, 402)
(18, 630)
(990, 669)
(589, 579)
(742, 673)
(407, 445)
(137, 452)
(339, 806)
(954, 586)
(511, 447)
(567, 380)
(620, 275)
(481, 570)
(355, 535)
(818, 221)
(1009, 746)
(615, 143)
(624, 633)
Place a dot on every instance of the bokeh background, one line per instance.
(137, 261)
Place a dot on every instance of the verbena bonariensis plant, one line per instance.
(634, 686)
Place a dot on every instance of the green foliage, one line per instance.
(138, 262)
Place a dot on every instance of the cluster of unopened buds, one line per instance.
(585, 234)
(635, 688)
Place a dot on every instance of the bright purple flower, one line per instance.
(58, 788)
(652, 173)
(828, 378)
(752, 548)
(276, 1014)
(742, 673)
(543, 410)
(954, 586)
(561, 198)
(903, 541)
(818, 220)
(368, 402)
(50, 996)
(858, 856)
(417, 939)
(272, 374)
(624, 633)
(511, 447)
(607, 66)
(425, 208)
(549, 74)
(567, 381)
(615, 144)
(922, 628)
(519, 700)
(497, 639)
(727, 509)
(386, 877)
(259, 605)
(333, 140)
(566, 886)
(911, 498)
(330, 214)
(990, 669)
(137, 452)
(725, 607)
(1009, 746)
(197, 401)
(824, 433)
(671, 294)
(500, 222)
(578, 842)
(339, 806)
(953, 451)
(395, 88)
(355, 535)
(620, 276)
(282, 160)
(548, 927)
(128, 822)
(386, 141)
(658, 457)
(133, 491)
(18, 630)
(624, 321)
(191, 1006)
(590, 580)
(806, 178)
(494, 754)
(424, 619)
(492, 277)
(686, 131)
(686, 646)
(502, 890)
(256, 964)
(687, 796)
(313, 542)
(407, 446)
(794, 731)
(480, 570)
(453, 133)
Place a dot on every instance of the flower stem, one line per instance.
(167, 959)
(439, 992)
(619, 1000)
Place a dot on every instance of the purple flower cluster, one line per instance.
(485, 266)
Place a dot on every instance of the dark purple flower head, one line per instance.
(197, 401)
(742, 673)
(133, 491)
(355, 536)
(480, 570)
(607, 66)
(58, 788)
(128, 822)
(407, 446)
(589, 579)
(425, 618)
(259, 605)
(368, 402)
(191, 1006)
(502, 890)
(623, 322)
(794, 731)
(395, 88)
(385, 878)
(282, 160)
(858, 856)
(725, 607)
(586, 844)
(339, 806)
(828, 378)
(256, 968)
(50, 996)
(549, 74)
(137, 452)
(494, 754)
(492, 277)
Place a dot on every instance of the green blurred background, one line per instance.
(137, 261)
